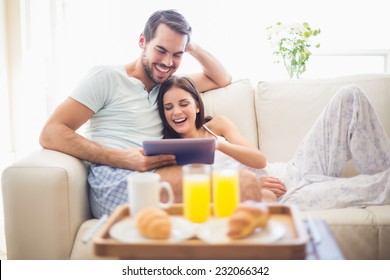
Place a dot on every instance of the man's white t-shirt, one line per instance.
(125, 113)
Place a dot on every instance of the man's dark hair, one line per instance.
(172, 19)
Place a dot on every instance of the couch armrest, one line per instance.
(45, 199)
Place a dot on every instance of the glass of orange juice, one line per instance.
(226, 190)
(196, 192)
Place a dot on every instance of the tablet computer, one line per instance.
(186, 150)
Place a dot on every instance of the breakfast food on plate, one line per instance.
(153, 222)
(246, 218)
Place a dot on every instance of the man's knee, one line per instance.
(249, 183)
(172, 175)
(249, 186)
(350, 92)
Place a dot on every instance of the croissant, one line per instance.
(246, 218)
(153, 222)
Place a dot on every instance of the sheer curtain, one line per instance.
(5, 146)
(61, 39)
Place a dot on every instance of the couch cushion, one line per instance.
(235, 101)
(287, 109)
(45, 200)
(362, 233)
(82, 250)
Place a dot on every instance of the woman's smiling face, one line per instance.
(180, 110)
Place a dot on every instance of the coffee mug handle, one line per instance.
(168, 188)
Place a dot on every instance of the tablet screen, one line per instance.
(187, 151)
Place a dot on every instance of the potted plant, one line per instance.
(292, 45)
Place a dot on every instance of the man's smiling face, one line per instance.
(163, 54)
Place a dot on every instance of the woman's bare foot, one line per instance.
(268, 196)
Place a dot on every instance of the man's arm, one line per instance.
(59, 133)
(214, 73)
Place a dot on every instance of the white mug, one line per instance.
(144, 190)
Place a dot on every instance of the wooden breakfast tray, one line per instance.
(291, 246)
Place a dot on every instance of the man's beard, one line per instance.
(148, 71)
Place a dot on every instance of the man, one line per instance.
(120, 103)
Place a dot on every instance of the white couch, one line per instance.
(46, 208)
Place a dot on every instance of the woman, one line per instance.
(347, 129)
(183, 117)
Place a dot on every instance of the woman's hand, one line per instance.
(216, 145)
(273, 184)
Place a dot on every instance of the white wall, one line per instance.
(234, 31)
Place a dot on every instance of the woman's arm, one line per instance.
(243, 151)
(237, 147)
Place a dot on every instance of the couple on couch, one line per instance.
(128, 104)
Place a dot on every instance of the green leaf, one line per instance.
(306, 34)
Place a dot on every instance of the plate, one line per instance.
(215, 231)
(126, 231)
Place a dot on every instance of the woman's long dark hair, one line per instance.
(188, 85)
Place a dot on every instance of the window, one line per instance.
(350, 62)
